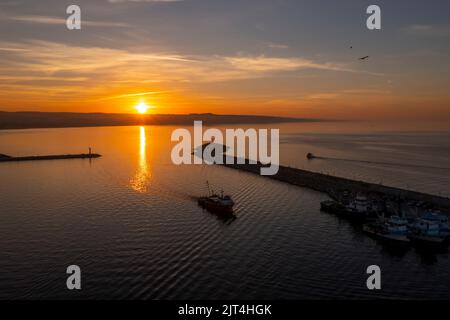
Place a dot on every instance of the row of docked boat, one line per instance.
(430, 228)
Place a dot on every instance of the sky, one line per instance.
(270, 57)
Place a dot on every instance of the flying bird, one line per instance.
(364, 58)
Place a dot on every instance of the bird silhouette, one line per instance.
(364, 58)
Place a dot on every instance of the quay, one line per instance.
(335, 187)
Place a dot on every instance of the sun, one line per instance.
(142, 108)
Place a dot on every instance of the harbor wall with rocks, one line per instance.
(334, 186)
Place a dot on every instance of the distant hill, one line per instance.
(28, 120)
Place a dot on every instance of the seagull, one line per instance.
(364, 58)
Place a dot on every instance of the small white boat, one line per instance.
(360, 208)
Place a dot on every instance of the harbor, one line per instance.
(60, 209)
(397, 217)
(338, 187)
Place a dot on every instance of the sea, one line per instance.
(131, 222)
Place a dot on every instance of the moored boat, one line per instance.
(426, 232)
(441, 220)
(393, 230)
(359, 209)
(332, 206)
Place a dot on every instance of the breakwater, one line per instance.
(5, 158)
(335, 186)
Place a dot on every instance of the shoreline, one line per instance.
(48, 120)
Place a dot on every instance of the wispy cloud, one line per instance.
(140, 94)
(347, 93)
(51, 57)
(429, 30)
(61, 21)
(98, 73)
(12, 49)
(269, 64)
(277, 46)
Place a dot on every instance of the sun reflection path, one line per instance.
(139, 182)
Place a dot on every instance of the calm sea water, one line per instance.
(131, 222)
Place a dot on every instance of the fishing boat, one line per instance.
(393, 230)
(441, 220)
(360, 205)
(426, 232)
(359, 209)
(332, 206)
(216, 203)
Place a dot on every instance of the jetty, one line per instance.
(90, 155)
(335, 186)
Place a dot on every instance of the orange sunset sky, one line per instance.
(286, 58)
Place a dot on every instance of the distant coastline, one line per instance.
(34, 120)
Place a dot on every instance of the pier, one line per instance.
(336, 186)
(5, 158)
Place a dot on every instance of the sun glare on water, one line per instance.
(142, 108)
